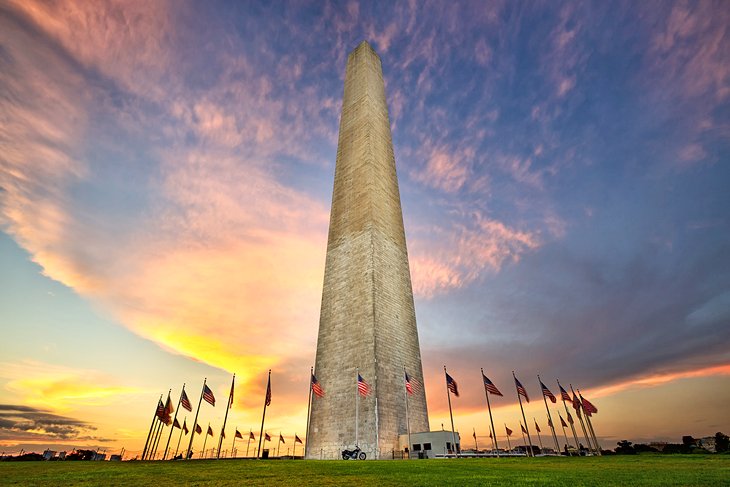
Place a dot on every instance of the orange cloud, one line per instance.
(654, 380)
(60, 388)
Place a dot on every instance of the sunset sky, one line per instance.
(166, 171)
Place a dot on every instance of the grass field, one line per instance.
(660, 470)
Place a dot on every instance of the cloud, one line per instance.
(445, 170)
(28, 424)
(60, 388)
(456, 256)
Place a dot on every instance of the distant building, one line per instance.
(708, 443)
(428, 444)
(98, 457)
(62, 455)
(48, 454)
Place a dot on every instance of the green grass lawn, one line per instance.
(660, 470)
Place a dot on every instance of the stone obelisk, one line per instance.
(367, 320)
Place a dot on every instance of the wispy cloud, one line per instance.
(24, 423)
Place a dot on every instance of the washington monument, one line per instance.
(367, 322)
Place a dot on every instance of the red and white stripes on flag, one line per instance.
(564, 394)
(490, 387)
(185, 402)
(587, 405)
(546, 392)
(317, 387)
(362, 387)
(268, 391)
(521, 390)
(208, 395)
(451, 384)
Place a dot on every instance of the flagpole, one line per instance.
(491, 421)
(572, 426)
(309, 412)
(524, 441)
(205, 440)
(582, 424)
(225, 418)
(263, 416)
(357, 404)
(195, 422)
(157, 438)
(451, 415)
(550, 419)
(591, 446)
(173, 423)
(150, 451)
(152, 425)
(519, 398)
(564, 434)
(476, 445)
(278, 445)
(162, 424)
(509, 445)
(408, 420)
(590, 426)
(249, 441)
(180, 438)
(539, 439)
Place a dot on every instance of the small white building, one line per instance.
(428, 444)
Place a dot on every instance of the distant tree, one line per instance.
(722, 442)
(625, 448)
(689, 441)
(643, 448)
(29, 457)
(675, 448)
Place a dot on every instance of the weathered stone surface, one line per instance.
(367, 319)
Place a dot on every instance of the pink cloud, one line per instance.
(455, 257)
(446, 171)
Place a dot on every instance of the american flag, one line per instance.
(576, 403)
(451, 384)
(523, 428)
(297, 439)
(489, 386)
(198, 429)
(230, 397)
(169, 409)
(509, 431)
(317, 387)
(587, 405)
(160, 409)
(562, 422)
(281, 439)
(210, 430)
(268, 391)
(550, 422)
(362, 387)
(267, 437)
(250, 435)
(176, 424)
(208, 395)
(564, 394)
(223, 434)
(185, 401)
(185, 427)
(570, 419)
(537, 427)
(521, 390)
(490, 432)
(546, 392)
(239, 435)
(409, 386)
